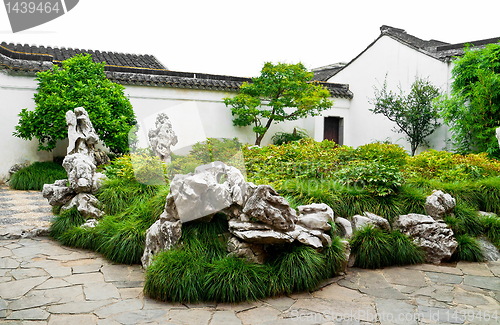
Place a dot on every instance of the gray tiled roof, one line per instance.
(436, 49)
(129, 69)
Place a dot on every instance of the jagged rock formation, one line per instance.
(438, 204)
(162, 137)
(435, 237)
(80, 164)
(257, 215)
(370, 219)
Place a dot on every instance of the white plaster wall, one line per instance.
(16, 93)
(402, 65)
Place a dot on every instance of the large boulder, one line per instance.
(439, 204)
(266, 206)
(434, 237)
(161, 236)
(315, 216)
(210, 189)
(58, 193)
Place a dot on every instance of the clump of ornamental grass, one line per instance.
(36, 175)
(468, 249)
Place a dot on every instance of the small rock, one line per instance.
(344, 226)
(438, 204)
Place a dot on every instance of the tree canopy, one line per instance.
(473, 108)
(78, 82)
(415, 114)
(282, 92)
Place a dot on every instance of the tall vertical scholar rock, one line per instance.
(80, 164)
(162, 137)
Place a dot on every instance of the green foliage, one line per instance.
(375, 248)
(414, 114)
(385, 153)
(280, 138)
(36, 175)
(404, 250)
(66, 220)
(468, 249)
(491, 228)
(334, 256)
(376, 178)
(232, 279)
(229, 151)
(473, 108)
(283, 92)
(79, 82)
(298, 268)
(449, 167)
(371, 246)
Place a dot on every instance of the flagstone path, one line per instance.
(42, 282)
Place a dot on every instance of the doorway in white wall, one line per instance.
(334, 129)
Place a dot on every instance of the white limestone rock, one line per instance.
(438, 204)
(161, 236)
(87, 204)
(269, 208)
(315, 216)
(434, 237)
(251, 252)
(345, 227)
(370, 219)
(58, 193)
(210, 189)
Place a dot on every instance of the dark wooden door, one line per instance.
(333, 129)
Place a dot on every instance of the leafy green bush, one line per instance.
(140, 167)
(36, 175)
(468, 249)
(280, 138)
(78, 82)
(376, 178)
(228, 151)
(385, 153)
(449, 167)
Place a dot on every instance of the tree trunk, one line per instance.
(258, 139)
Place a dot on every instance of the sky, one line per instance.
(234, 37)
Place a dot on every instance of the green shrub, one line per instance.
(229, 151)
(142, 167)
(376, 178)
(449, 167)
(36, 175)
(464, 221)
(385, 153)
(468, 249)
(280, 138)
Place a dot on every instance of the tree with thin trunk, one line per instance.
(283, 92)
(415, 114)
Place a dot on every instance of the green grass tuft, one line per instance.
(334, 257)
(372, 249)
(176, 275)
(232, 279)
(491, 226)
(468, 249)
(66, 220)
(404, 250)
(297, 268)
(36, 175)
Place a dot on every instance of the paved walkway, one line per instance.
(42, 282)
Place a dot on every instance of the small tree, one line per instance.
(414, 114)
(283, 92)
(473, 108)
(79, 82)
